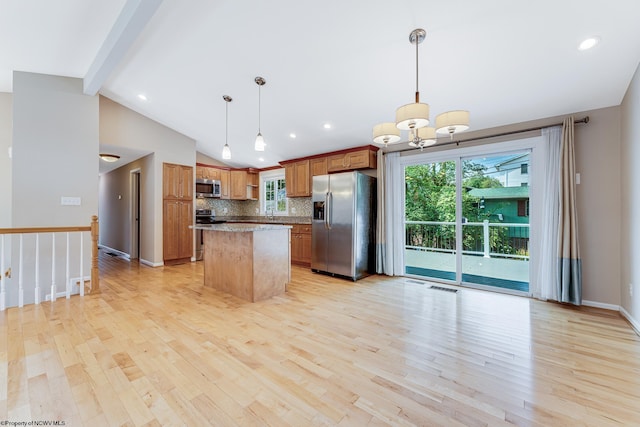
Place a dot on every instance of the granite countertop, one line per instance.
(261, 219)
(236, 227)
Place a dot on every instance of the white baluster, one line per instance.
(37, 291)
(20, 275)
(3, 280)
(53, 267)
(68, 284)
(81, 265)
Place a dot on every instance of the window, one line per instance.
(274, 195)
(523, 207)
(524, 169)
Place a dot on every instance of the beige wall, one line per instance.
(6, 119)
(630, 189)
(120, 126)
(203, 158)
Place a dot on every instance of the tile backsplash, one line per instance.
(298, 206)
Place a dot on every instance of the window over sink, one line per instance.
(274, 193)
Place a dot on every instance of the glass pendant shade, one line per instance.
(259, 144)
(424, 137)
(226, 152)
(412, 116)
(452, 122)
(386, 133)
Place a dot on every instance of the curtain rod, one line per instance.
(584, 120)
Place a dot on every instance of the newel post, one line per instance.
(95, 280)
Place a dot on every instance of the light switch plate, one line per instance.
(70, 201)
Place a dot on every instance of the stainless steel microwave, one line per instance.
(207, 188)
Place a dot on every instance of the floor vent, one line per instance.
(440, 288)
(112, 254)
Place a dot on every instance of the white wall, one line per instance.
(630, 189)
(55, 151)
(6, 119)
(120, 126)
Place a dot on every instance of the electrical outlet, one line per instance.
(630, 289)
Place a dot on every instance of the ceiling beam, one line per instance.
(132, 19)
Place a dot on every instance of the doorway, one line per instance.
(466, 219)
(135, 214)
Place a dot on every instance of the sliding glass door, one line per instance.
(466, 220)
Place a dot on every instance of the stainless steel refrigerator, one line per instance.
(343, 225)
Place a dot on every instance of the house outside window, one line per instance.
(273, 198)
(524, 168)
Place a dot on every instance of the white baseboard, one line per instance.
(597, 304)
(151, 264)
(634, 323)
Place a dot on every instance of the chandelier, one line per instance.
(414, 117)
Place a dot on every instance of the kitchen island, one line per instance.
(250, 261)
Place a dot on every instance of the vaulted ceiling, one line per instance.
(346, 63)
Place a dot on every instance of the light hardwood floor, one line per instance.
(157, 348)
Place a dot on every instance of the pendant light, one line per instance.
(259, 145)
(414, 117)
(226, 151)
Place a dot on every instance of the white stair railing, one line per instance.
(40, 261)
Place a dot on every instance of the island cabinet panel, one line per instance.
(177, 238)
(251, 265)
(297, 181)
(360, 159)
(238, 185)
(301, 244)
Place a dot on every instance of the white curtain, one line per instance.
(559, 270)
(381, 235)
(384, 223)
(548, 258)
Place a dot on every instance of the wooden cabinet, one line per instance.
(253, 185)
(177, 237)
(296, 176)
(205, 172)
(238, 185)
(177, 181)
(177, 211)
(318, 166)
(360, 159)
(225, 184)
(301, 244)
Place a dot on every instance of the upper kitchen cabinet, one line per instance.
(318, 166)
(225, 184)
(177, 181)
(297, 181)
(238, 185)
(363, 158)
(205, 172)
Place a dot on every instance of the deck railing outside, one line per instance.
(31, 258)
(505, 240)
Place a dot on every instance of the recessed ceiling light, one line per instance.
(589, 43)
(327, 125)
(261, 159)
(292, 135)
(142, 96)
